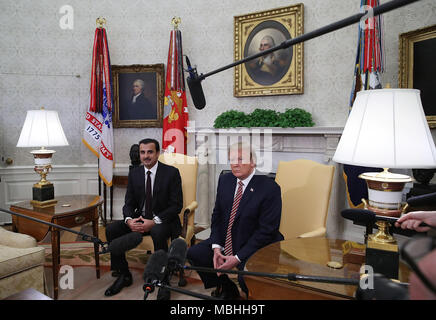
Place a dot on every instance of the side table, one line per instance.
(70, 211)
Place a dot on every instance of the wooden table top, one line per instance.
(309, 256)
(66, 205)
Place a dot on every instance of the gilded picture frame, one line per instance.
(280, 73)
(138, 96)
(417, 67)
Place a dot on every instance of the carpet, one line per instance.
(86, 286)
(82, 254)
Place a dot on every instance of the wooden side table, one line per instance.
(70, 211)
(304, 256)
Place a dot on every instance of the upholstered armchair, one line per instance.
(188, 167)
(21, 263)
(306, 186)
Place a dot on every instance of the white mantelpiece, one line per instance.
(278, 144)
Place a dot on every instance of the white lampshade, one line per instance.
(42, 128)
(387, 128)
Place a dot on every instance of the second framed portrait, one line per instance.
(138, 96)
(418, 67)
(280, 72)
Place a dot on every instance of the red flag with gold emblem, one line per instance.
(175, 121)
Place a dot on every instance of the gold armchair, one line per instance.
(305, 187)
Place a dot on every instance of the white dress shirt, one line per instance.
(134, 98)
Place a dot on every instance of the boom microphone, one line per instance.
(369, 217)
(155, 271)
(422, 200)
(195, 88)
(177, 253)
(194, 81)
(384, 289)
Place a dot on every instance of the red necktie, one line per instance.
(228, 245)
(148, 198)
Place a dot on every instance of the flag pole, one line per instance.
(101, 23)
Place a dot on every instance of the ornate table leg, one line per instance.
(55, 250)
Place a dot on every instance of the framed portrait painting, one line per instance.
(418, 67)
(138, 96)
(278, 73)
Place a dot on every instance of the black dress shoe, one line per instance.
(163, 294)
(230, 290)
(124, 280)
(218, 291)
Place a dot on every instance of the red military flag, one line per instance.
(174, 135)
(98, 133)
(369, 65)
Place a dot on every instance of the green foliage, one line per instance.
(297, 117)
(231, 119)
(291, 118)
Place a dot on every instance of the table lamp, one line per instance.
(42, 128)
(386, 128)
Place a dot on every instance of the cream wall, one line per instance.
(43, 65)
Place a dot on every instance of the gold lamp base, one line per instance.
(43, 190)
(43, 204)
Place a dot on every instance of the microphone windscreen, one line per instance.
(196, 91)
(120, 245)
(422, 200)
(359, 215)
(383, 289)
(177, 252)
(156, 266)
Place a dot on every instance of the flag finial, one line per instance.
(100, 22)
(175, 21)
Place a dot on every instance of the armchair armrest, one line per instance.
(191, 207)
(16, 240)
(187, 231)
(320, 232)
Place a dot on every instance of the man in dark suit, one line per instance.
(246, 217)
(152, 203)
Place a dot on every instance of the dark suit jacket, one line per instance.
(257, 220)
(167, 195)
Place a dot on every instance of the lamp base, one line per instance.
(43, 204)
(43, 195)
(386, 262)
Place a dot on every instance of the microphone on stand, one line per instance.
(177, 254)
(85, 237)
(383, 287)
(155, 271)
(177, 258)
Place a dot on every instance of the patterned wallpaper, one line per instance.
(44, 65)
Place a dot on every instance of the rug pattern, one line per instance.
(82, 254)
